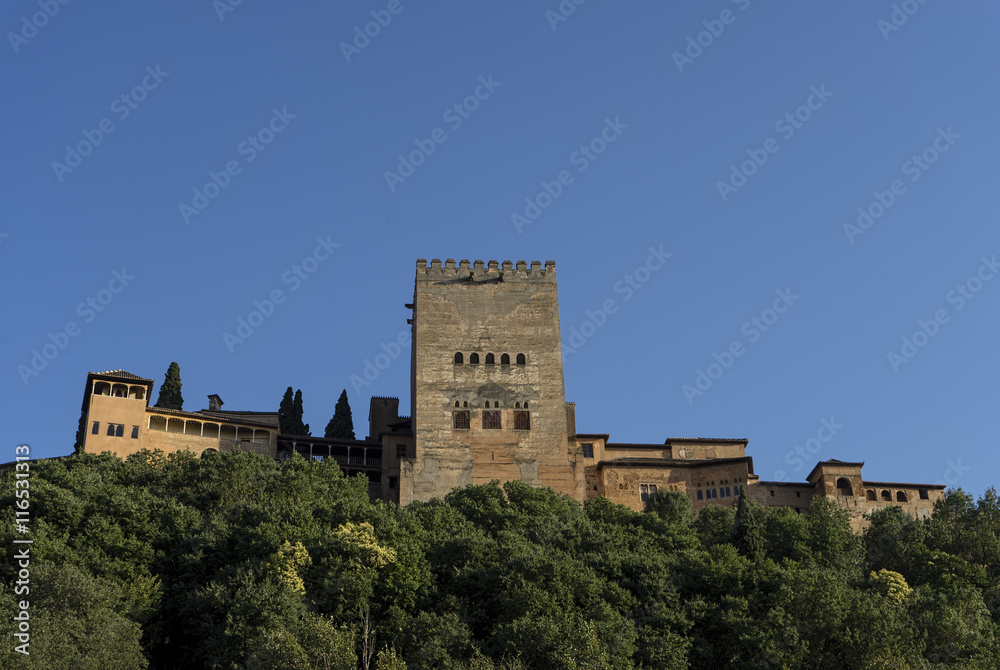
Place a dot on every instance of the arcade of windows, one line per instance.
(490, 359)
(462, 420)
(717, 492)
(115, 430)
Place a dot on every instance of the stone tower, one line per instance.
(487, 380)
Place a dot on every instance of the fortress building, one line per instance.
(487, 402)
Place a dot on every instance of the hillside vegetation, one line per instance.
(237, 561)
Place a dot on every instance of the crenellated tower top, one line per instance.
(483, 270)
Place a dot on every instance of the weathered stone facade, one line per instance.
(487, 403)
(488, 396)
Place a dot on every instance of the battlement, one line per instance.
(485, 270)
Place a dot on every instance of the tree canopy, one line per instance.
(235, 560)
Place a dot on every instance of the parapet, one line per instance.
(481, 271)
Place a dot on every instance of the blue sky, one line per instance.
(175, 163)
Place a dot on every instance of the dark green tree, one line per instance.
(290, 414)
(748, 528)
(341, 426)
(81, 432)
(301, 428)
(285, 412)
(170, 390)
(672, 506)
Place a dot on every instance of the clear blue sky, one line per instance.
(865, 98)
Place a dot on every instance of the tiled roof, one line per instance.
(707, 439)
(214, 417)
(121, 374)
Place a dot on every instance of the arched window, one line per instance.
(886, 496)
(489, 359)
(900, 496)
(525, 404)
(473, 359)
(844, 487)
(465, 403)
(520, 359)
(486, 404)
(496, 404)
(870, 494)
(456, 403)
(459, 359)
(517, 405)
(504, 359)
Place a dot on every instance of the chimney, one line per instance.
(214, 403)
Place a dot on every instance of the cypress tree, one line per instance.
(285, 420)
(748, 532)
(341, 426)
(170, 390)
(81, 433)
(302, 428)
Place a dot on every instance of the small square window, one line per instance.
(393, 482)
(461, 420)
(588, 450)
(401, 448)
(772, 494)
(923, 493)
(798, 494)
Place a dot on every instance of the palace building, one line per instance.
(487, 402)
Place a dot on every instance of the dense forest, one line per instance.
(237, 561)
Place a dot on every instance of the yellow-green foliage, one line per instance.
(891, 584)
(368, 553)
(286, 564)
(388, 659)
